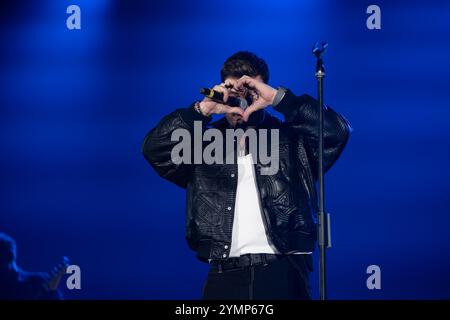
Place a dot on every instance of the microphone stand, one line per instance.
(323, 219)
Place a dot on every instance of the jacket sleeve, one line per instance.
(301, 113)
(157, 146)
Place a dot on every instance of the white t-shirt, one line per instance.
(249, 234)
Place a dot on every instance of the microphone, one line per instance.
(218, 97)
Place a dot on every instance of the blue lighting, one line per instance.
(75, 106)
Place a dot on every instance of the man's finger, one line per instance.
(222, 108)
(234, 110)
(230, 83)
(246, 81)
(248, 112)
(221, 88)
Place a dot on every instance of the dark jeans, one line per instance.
(283, 279)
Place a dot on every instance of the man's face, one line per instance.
(235, 118)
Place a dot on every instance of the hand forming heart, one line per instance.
(262, 94)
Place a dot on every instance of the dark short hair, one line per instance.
(7, 248)
(245, 63)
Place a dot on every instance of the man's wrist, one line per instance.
(198, 108)
(279, 96)
(201, 109)
(191, 114)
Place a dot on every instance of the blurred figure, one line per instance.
(17, 284)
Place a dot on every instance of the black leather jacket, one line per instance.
(288, 197)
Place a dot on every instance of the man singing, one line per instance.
(256, 230)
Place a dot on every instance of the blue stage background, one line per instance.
(76, 104)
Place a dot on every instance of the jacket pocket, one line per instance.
(207, 210)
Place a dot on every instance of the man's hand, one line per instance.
(262, 94)
(208, 106)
